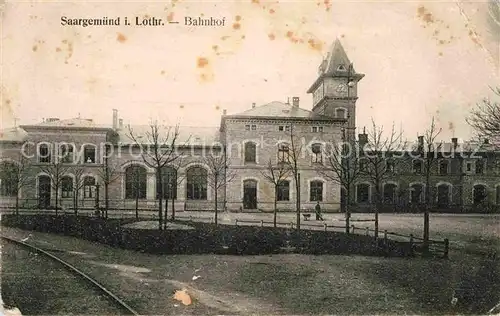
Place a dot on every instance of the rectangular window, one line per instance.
(316, 193)
(283, 191)
(44, 155)
(254, 127)
(89, 154)
(66, 153)
(316, 153)
(479, 166)
(67, 187)
(247, 127)
(469, 167)
(417, 167)
(443, 168)
(283, 153)
(390, 166)
(287, 128)
(281, 128)
(320, 129)
(314, 129)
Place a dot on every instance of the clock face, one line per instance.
(341, 88)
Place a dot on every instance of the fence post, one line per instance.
(367, 231)
(411, 244)
(261, 223)
(190, 218)
(236, 222)
(385, 236)
(446, 248)
(352, 228)
(291, 224)
(326, 227)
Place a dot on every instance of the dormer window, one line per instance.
(250, 127)
(317, 129)
(341, 68)
(285, 128)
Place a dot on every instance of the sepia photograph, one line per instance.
(250, 157)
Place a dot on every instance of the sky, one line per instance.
(421, 59)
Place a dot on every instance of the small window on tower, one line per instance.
(320, 129)
(314, 129)
(341, 68)
(254, 127)
(280, 128)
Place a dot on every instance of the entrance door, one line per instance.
(250, 194)
(43, 192)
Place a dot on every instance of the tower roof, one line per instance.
(336, 64)
(336, 59)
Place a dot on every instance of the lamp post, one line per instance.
(97, 200)
(347, 151)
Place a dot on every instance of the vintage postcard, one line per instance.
(250, 157)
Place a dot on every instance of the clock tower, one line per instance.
(335, 91)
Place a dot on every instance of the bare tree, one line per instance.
(219, 173)
(485, 117)
(15, 176)
(341, 166)
(429, 150)
(295, 150)
(107, 174)
(78, 185)
(381, 153)
(55, 170)
(158, 148)
(175, 181)
(275, 174)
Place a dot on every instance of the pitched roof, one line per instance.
(188, 135)
(69, 123)
(279, 110)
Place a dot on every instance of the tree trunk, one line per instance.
(17, 203)
(426, 215)
(378, 206)
(160, 198)
(136, 206)
(297, 188)
(275, 208)
(56, 199)
(106, 198)
(173, 208)
(166, 215)
(216, 213)
(76, 201)
(347, 214)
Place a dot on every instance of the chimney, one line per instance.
(454, 141)
(120, 123)
(115, 118)
(224, 112)
(295, 101)
(253, 105)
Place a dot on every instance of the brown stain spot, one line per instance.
(58, 49)
(255, 1)
(441, 42)
(425, 15)
(236, 26)
(146, 16)
(162, 72)
(315, 45)
(289, 34)
(243, 36)
(271, 36)
(328, 5)
(202, 14)
(7, 102)
(436, 32)
(225, 37)
(271, 11)
(202, 62)
(215, 47)
(342, 36)
(181, 106)
(170, 17)
(451, 126)
(217, 107)
(238, 18)
(121, 38)
(89, 36)
(34, 48)
(440, 53)
(64, 41)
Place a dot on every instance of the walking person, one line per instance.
(318, 212)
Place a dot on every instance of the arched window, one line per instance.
(317, 156)
(197, 183)
(89, 187)
(443, 195)
(480, 194)
(283, 191)
(66, 152)
(44, 154)
(390, 193)
(135, 182)
(416, 193)
(169, 183)
(9, 179)
(316, 191)
(340, 113)
(363, 193)
(66, 187)
(250, 152)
